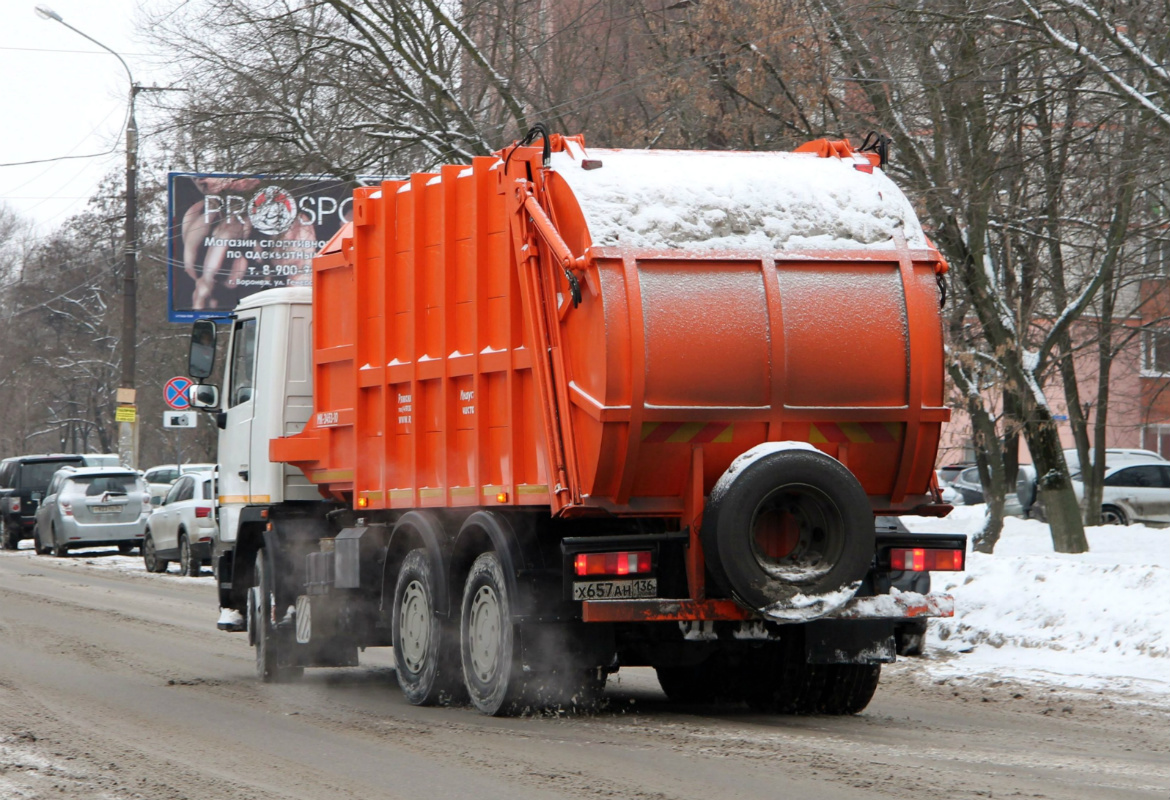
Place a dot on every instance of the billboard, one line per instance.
(232, 235)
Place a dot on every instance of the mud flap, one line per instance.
(863, 641)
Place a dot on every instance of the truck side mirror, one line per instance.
(201, 358)
(203, 395)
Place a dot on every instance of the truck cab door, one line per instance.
(235, 439)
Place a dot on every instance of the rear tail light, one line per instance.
(920, 559)
(624, 563)
(67, 509)
(202, 511)
(14, 505)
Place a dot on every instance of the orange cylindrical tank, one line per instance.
(575, 334)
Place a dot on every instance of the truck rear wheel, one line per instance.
(788, 532)
(776, 686)
(487, 641)
(426, 658)
(268, 640)
(687, 684)
(848, 688)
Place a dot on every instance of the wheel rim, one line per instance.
(797, 533)
(1111, 516)
(485, 633)
(414, 621)
(148, 552)
(185, 555)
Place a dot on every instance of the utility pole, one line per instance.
(126, 414)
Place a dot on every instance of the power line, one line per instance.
(82, 52)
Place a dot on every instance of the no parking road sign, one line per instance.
(175, 393)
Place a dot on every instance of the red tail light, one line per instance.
(612, 563)
(202, 511)
(920, 559)
(14, 504)
(67, 509)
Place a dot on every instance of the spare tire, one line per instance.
(788, 531)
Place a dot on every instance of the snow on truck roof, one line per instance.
(711, 200)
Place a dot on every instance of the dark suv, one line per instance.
(23, 480)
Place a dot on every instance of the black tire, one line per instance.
(487, 640)
(125, 548)
(189, 566)
(848, 688)
(11, 537)
(39, 546)
(1112, 515)
(695, 683)
(775, 683)
(787, 523)
(150, 558)
(60, 549)
(269, 641)
(426, 652)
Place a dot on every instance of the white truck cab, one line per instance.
(267, 392)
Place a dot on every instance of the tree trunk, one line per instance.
(1053, 483)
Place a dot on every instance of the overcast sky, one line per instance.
(64, 96)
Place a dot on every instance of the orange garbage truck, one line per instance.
(564, 410)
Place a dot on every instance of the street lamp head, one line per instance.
(44, 12)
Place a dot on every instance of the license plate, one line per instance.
(106, 509)
(616, 590)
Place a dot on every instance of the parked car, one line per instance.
(182, 528)
(161, 478)
(948, 473)
(1133, 492)
(86, 506)
(1114, 457)
(968, 485)
(23, 481)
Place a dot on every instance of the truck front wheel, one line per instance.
(487, 641)
(425, 657)
(263, 632)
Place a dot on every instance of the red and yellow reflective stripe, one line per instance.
(682, 432)
(857, 432)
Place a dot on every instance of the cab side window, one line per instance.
(243, 362)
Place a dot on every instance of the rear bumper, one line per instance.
(894, 606)
(74, 533)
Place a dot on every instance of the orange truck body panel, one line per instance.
(452, 368)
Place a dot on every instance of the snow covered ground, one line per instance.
(1096, 621)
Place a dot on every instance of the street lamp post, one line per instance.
(127, 410)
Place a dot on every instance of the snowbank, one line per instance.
(1096, 620)
(734, 200)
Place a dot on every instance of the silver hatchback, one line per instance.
(86, 506)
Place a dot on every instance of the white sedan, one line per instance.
(182, 528)
(1133, 492)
